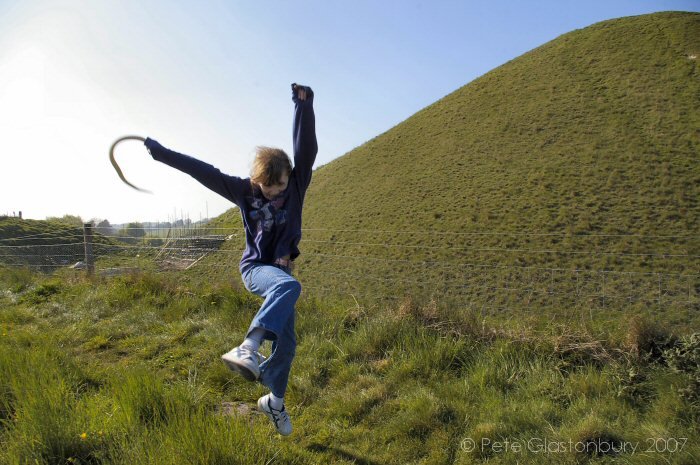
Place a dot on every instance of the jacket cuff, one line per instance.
(152, 146)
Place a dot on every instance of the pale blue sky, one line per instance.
(211, 79)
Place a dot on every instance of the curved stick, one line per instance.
(116, 166)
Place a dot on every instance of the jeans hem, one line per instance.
(267, 329)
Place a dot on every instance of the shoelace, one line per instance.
(276, 417)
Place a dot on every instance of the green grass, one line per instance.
(127, 370)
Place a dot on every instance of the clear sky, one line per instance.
(211, 79)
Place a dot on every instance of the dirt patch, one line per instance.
(228, 409)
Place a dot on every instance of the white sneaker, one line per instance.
(279, 417)
(244, 361)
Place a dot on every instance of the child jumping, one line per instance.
(271, 203)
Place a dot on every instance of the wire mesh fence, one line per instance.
(354, 263)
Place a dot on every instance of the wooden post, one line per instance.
(89, 257)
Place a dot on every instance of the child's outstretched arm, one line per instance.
(230, 187)
(305, 144)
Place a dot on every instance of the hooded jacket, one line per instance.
(272, 227)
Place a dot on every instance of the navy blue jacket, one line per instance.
(272, 227)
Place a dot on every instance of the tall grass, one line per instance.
(111, 371)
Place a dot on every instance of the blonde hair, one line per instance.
(269, 166)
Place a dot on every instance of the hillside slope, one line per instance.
(567, 177)
(595, 131)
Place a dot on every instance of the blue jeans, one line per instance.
(276, 316)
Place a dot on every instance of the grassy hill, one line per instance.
(45, 245)
(564, 183)
(593, 132)
(14, 230)
(567, 178)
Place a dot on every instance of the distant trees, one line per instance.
(133, 232)
(103, 227)
(72, 220)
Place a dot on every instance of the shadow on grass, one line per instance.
(341, 454)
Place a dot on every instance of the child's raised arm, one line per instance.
(305, 144)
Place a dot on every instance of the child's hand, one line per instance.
(301, 91)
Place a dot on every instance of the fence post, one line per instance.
(89, 257)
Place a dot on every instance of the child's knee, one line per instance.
(292, 286)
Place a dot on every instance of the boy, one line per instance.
(271, 203)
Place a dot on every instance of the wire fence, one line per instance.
(534, 271)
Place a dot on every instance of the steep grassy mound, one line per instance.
(564, 183)
(595, 131)
(570, 173)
